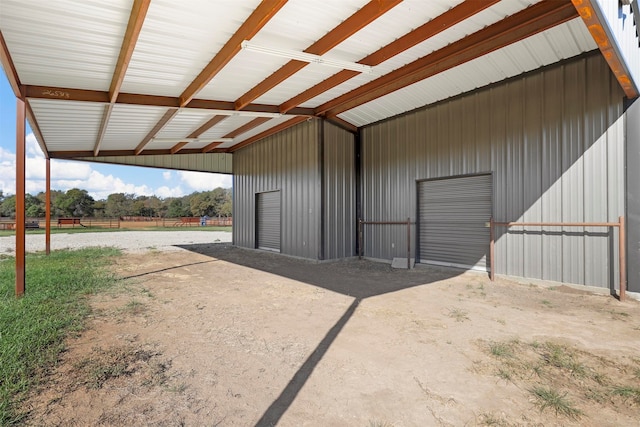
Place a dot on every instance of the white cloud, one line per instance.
(73, 174)
(203, 181)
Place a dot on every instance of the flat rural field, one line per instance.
(210, 334)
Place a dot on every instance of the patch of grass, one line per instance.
(552, 399)
(546, 302)
(504, 374)
(33, 327)
(134, 308)
(501, 349)
(627, 392)
(560, 357)
(489, 419)
(458, 314)
(103, 365)
(376, 423)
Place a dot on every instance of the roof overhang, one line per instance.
(125, 79)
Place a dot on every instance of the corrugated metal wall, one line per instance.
(633, 196)
(339, 193)
(207, 162)
(554, 141)
(289, 162)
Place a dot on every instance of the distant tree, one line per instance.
(34, 207)
(178, 208)
(98, 208)
(153, 206)
(118, 204)
(8, 207)
(75, 202)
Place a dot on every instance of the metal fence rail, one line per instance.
(621, 242)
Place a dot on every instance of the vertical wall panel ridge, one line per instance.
(288, 162)
(554, 141)
(339, 192)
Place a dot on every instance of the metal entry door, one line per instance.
(453, 217)
(268, 221)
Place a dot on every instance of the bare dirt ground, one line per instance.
(216, 335)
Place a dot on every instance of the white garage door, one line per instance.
(453, 217)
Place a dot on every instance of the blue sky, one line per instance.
(99, 180)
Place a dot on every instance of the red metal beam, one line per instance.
(9, 68)
(210, 147)
(69, 94)
(207, 125)
(247, 127)
(168, 115)
(47, 209)
(591, 19)
(178, 146)
(282, 126)
(136, 19)
(36, 130)
(106, 115)
(512, 29)
(263, 13)
(363, 17)
(21, 113)
(436, 25)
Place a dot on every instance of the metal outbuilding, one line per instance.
(464, 119)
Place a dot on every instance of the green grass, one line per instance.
(627, 392)
(33, 328)
(552, 399)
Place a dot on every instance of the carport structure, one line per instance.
(322, 109)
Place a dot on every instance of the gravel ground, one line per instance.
(130, 241)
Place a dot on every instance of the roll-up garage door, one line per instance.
(454, 213)
(268, 221)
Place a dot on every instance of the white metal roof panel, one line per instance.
(64, 45)
(128, 126)
(267, 125)
(296, 26)
(68, 125)
(397, 22)
(176, 42)
(452, 34)
(231, 123)
(504, 63)
(184, 123)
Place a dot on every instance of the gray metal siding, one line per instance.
(268, 217)
(207, 162)
(287, 161)
(453, 214)
(554, 140)
(339, 193)
(633, 196)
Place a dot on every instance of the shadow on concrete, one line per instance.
(354, 278)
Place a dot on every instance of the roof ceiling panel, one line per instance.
(74, 44)
(226, 126)
(184, 123)
(64, 45)
(297, 26)
(177, 42)
(258, 129)
(57, 118)
(454, 33)
(128, 126)
(504, 63)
